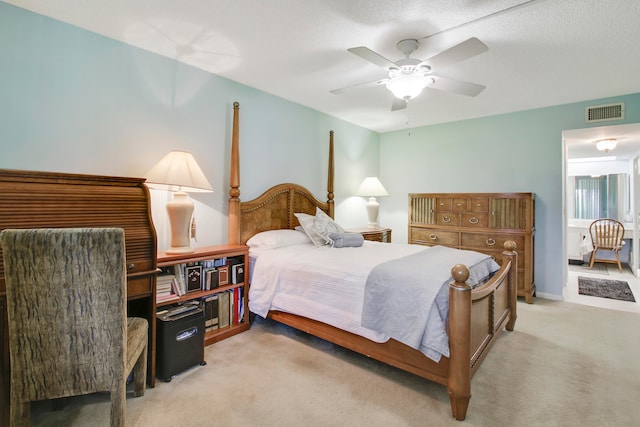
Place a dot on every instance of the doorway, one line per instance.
(601, 183)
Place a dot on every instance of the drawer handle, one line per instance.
(479, 205)
(474, 220)
(446, 219)
(131, 266)
(490, 242)
(433, 236)
(441, 204)
(459, 204)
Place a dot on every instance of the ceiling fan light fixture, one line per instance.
(408, 86)
(606, 144)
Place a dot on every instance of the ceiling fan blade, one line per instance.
(360, 85)
(450, 85)
(373, 57)
(398, 104)
(465, 50)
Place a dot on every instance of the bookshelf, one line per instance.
(206, 256)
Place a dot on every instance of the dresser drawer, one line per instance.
(474, 219)
(479, 204)
(434, 237)
(139, 286)
(499, 258)
(448, 218)
(460, 205)
(491, 241)
(443, 204)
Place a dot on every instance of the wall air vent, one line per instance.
(602, 113)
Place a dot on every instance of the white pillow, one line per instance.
(274, 239)
(324, 225)
(306, 221)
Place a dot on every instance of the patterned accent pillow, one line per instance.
(323, 225)
(306, 221)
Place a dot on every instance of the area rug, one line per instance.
(605, 288)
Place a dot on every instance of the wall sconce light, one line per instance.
(179, 172)
(372, 187)
(606, 144)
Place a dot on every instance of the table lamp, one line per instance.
(372, 187)
(179, 172)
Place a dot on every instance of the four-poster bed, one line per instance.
(476, 316)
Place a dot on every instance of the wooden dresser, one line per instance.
(480, 222)
(50, 200)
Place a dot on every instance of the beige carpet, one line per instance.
(564, 365)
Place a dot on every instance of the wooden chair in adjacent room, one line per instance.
(607, 235)
(68, 329)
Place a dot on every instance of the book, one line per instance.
(223, 309)
(166, 297)
(179, 273)
(237, 273)
(193, 278)
(210, 279)
(210, 304)
(236, 306)
(241, 305)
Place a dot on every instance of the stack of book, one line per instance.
(223, 309)
(164, 287)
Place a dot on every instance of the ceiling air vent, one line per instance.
(601, 113)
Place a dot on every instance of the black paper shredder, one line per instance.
(179, 340)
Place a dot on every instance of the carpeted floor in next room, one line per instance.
(564, 365)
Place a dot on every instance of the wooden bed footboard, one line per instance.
(476, 316)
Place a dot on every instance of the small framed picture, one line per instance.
(193, 277)
(223, 275)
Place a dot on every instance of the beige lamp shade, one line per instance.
(178, 171)
(372, 187)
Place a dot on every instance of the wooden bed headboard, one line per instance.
(275, 208)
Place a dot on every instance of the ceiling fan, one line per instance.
(408, 76)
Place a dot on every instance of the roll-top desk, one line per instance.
(52, 200)
(480, 222)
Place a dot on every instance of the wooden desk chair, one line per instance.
(606, 234)
(68, 330)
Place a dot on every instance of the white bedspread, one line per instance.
(408, 298)
(328, 285)
(321, 283)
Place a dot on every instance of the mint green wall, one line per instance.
(74, 101)
(516, 152)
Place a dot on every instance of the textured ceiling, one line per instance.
(541, 52)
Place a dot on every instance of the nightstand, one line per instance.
(377, 234)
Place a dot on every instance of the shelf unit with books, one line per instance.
(226, 266)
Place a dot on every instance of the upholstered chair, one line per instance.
(68, 329)
(606, 235)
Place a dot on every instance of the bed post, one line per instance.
(234, 181)
(330, 179)
(459, 378)
(511, 255)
